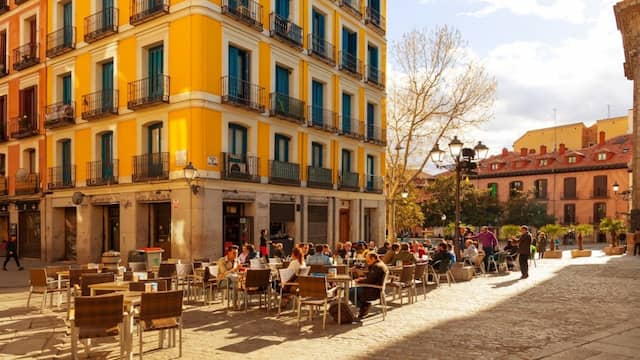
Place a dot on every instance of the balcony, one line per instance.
(284, 173)
(352, 7)
(286, 107)
(375, 77)
(246, 11)
(351, 127)
(101, 24)
(100, 104)
(59, 114)
(61, 41)
(25, 56)
(321, 49)
(376, 134)
(4, 188)
(62, 177)
(321, 118)
(150, 167)
(600, 194)
(284, 29)
(318, 177)
(349, 181)
(148, 92)
(375, 21)
(145, 10)
(242, 93)
(24, 126)
(374, 184)
(240, 167)
(102, 173)
(27, 183)
(350, 64)
(4, 6)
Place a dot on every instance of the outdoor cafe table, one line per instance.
(110, 286)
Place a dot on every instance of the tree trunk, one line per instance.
(391, 222)
(580, 241)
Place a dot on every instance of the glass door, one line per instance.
(155, 150)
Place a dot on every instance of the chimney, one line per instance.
(523, 151)
(601, 138)
(563, 149)
(532, 151)
(505, 152)
(543, 149)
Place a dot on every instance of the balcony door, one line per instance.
(107, 14)
(107, 87)
(67, 21)
(371, 121)
(239, 79)
(156, 71)
(317, 99)
(106, 144)
(316, 155)
(65, 154)
(370, 171)
(154, 150)
(282, 89)
(28, 105)
(319, 32)
(282, 8)
(66, 89)
(346, 113)
(281, 148)
(349, 49)
(372, 53)
(346, 162)
(237, 143)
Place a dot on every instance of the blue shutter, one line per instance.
(107, 87)
(68, 23)
(281, 148)
(66, 89)
(282, 8)
(373, 63)
(107, 14)
(107, 156)
(234, 75)
(317, 100)
(346, 113)
(282, 80)
(370, 120)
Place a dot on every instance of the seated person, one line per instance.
(471, 252)
(510, 248)
(375, 276)
(228, 266)
(385, 248)
(297, 264)
(251, 254)
(244, 253)
(427, 244)
(440, 254)
(389, 255)
(404, 256)
(319, 258)
(452, 255)
(278, 251)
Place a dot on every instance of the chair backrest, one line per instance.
(197, 264)
(76, 274)
(213, 271)
(140, 285)
(167, 270)
(127, 276)
(91, 279)
(313, 287)
(256, 264)
(420, 270)
(304, 271)
(38, 277)
(182, 270)
(161, 305)
(137, 266)
(275, 261)
(257, 278)
(103, 311)
(53, 271)
(443, 267)
(407, 274)
(318, 269)
(341, 269)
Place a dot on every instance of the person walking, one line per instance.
(489, 243)
(524, 250)
(12, 252)
(542, 244)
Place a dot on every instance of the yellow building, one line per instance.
(279, 105)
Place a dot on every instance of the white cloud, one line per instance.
(567, 10)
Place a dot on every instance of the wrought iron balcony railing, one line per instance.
(286, 107)
(372, 17)
(284, 173)
(349, 181)
(100, 104)
(374, 184)
(62, 177)
(24, 126)
(321, 49)
(4, 6)
(25, 56)
(375, 77)
(149, 167)
(145, 10)
(246, 11)
(318, 177)
(600, 194)
(4, 185)
(240, 167)
(148, 91)
(27, 183)
(102, 172)
(61, 41)
(351, 127)
(101, 24)
(350, 64)
(352, 7)
(284, 29)
(238, 92)
(376, 134)
(59, 114)
(321, 118)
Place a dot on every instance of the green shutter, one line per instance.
(68, 23)
(282, 8)
(66, 162)
(66, 89)
(156, 70)
(317, 100)
(107, 155)
(107, 15)
(107, 87)
(346, 113)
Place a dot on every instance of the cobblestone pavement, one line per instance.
(584, 308)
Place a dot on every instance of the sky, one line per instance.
(565, 55)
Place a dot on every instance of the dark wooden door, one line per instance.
(70, 233)
(29, 234)
(162, 228)
(344, 225)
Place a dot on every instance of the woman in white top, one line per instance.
(297, 260)
(242, 258)
(471, 252)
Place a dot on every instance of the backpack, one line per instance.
(346, 315)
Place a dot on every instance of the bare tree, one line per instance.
(439, 89)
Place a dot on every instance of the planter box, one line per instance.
(555, 254)
(609, 250)
(580, 253)
(462, 273)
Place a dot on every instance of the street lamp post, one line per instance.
(190, 174)
(616, 188)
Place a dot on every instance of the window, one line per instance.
(372, 60)
(515, 187)
(346, 161)
(371, 121)
(28, 103)
(154, 149)
(4, 69)
(569, 214)
(493, 190)
(3, 165)
(602, 156)
(543, 162)
(317, 155)
(31, 33)
(599, 212)
(570, 188)
(66, 89)
(29, 160)
(281, 147)
(370, 172)
(237, 139)
(317, 101)
(67, 23)
(346, 113)
(106, 155)
(350, 50)
(571, 159)
(3, 117)
(282, 8)
(65, 161)
(540, 189)
(318, 23)
(108, 100)
(600, 186)
(155, 70)
(495, 166)
(282, 80)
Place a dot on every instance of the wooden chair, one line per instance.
(313, 291)
(52, 273)
(167, 270)
(257, 282)
(383, 292)
(420, 278)
(440, 269)
(97, 317)
(206, 283)
(140, 285)
(183, 280)
(161, 311)
(291, 284)
(405, 283)
(91, 279)
(39, 284)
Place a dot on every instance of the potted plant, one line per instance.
(554, 232)
(581, 231)
(613, 227)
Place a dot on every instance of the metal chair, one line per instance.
(39, 284)
(161, 311)
(313, 291)
(257, 282)
(91, 279)
(383, 292)
(441, 268)
(405, 282)
(97, 317)
(420, 278)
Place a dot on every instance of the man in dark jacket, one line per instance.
(375, 276)
(12, 252)
(524, 249)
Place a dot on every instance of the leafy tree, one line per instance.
(509, 231)
(583, 230)
(408, 212)
(522, 209)
(613, 227)
(553, 232)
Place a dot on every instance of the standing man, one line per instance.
(524, 249)
(12, 252)
(488, 242)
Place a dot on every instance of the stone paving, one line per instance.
(584, 308)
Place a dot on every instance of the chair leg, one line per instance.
(180, 337)
(299, 308)
(29, 297)
(140, 341)
(44, 301)
(324, 317)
